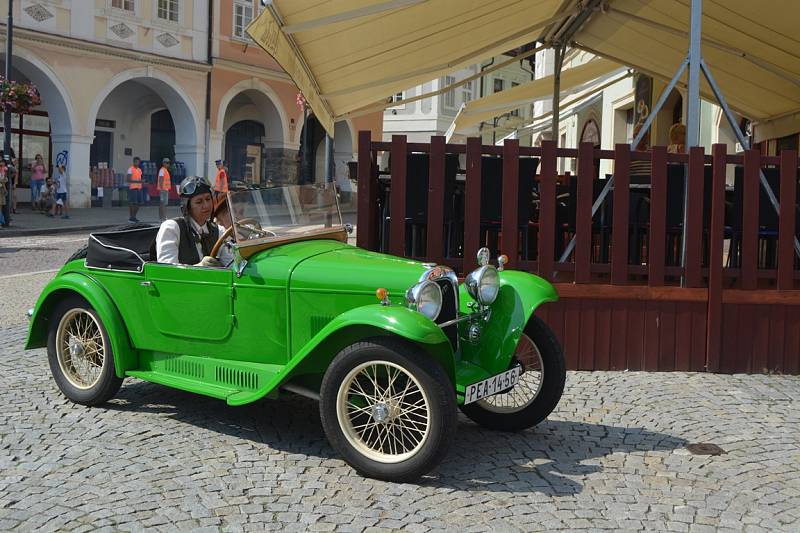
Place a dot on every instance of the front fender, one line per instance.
(519, 296)
(355, 325)
(63, 285)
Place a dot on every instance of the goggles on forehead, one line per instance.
(190, 185)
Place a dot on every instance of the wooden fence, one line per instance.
(626, 301)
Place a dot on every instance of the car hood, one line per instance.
(354, 270)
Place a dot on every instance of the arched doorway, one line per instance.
(145, 113)
(591, 134)
(244, 151)
(250, 117)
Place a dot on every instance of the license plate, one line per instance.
(493, 385)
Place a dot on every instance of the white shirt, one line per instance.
(169, 236)
(61, 182)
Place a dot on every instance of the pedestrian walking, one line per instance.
(163, 186)
(61, 206)
(135, 191)
(221, 182)
(38, 172)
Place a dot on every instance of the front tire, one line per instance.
(79, 353)
(538, 391)
(389, 410)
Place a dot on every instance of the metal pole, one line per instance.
(6, 113)
(645, 127)
(744, 141)
(693, 108)
(557, 63)
(328, 158)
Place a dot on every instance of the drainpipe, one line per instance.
(483, 67)
(210, 61)
(7, 116)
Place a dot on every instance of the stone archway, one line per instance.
(151, 90)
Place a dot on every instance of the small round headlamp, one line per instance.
(425, 297)
(483, 284)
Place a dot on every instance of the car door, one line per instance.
(188, 307)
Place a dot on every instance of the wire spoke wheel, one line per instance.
(80, 348)
(383, 411)
(530, 380)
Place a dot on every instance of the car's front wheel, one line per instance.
(387, 409)
(538, 390)
(79, 353)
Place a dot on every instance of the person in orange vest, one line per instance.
(135, 191)
(163, 186)
(221, 183)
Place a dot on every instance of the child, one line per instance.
(61, 206)
(47, 197)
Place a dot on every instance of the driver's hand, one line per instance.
(209, 261)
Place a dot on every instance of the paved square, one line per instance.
(613, 456)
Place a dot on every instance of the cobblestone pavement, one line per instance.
(613, 456)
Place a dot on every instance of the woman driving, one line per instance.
(185, 240)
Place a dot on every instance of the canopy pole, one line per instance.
(692, 110)
(636, 140)
(744, 141)
(558, 62)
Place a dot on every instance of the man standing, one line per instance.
(163, 186)
(135, 192)
(221, 183)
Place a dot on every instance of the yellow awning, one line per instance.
(346, 54)
(572, 81)
(752, 48)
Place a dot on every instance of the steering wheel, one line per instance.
(218, 245)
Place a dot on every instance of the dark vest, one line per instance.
(187, 250)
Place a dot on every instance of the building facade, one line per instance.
(125, 78)
(421, 119)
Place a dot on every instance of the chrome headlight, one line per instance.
(425, 297)
(483, 284)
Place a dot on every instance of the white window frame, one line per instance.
(398, 97)
(494, 84)
(243, 4)
(466, 92)
(168, 20)
(449, 99)
(131, 11)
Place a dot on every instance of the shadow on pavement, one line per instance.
(552, 459)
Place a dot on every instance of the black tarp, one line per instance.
(121, 250)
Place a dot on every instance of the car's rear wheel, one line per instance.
(538, 390)
(389, 410)
(79, 353)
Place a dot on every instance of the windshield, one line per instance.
(284, 211)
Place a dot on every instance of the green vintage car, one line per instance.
(390, 347)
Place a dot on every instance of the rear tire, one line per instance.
(80, 253)
(389, 410)
(531, 400)
(79, 352)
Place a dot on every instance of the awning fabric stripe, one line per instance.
(347, 54)
(366, 59)
(572, 80)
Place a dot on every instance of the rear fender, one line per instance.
(74, 283)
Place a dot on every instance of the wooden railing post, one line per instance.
(397, 224)
(750, 192)
(716, 244)
(693, 233)
(787, 220)
(472, 203)
(510, 201)
(547, 210)
(656, 239)
(620, 222)
(367, 223)
(583, 214)
(436, 199)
